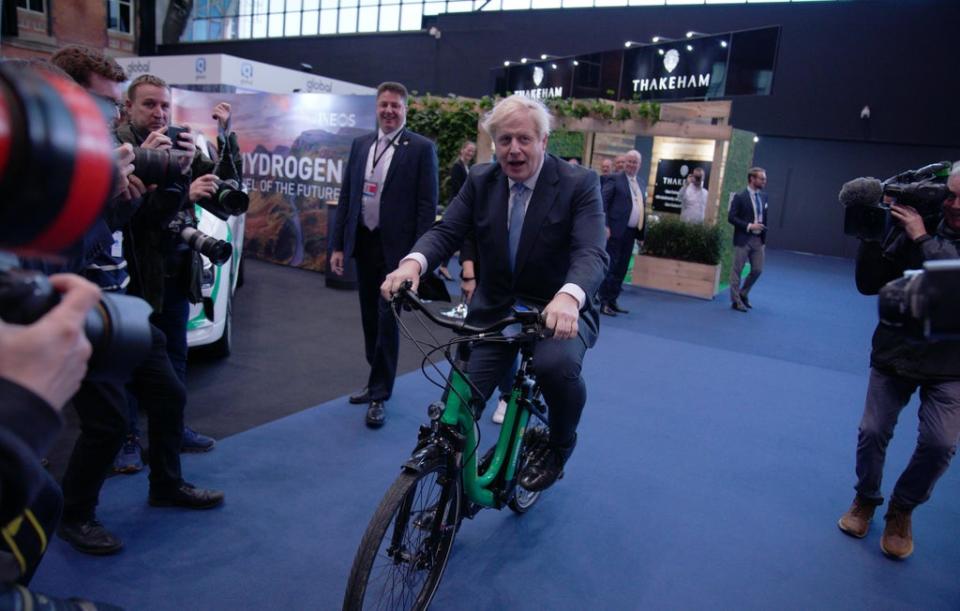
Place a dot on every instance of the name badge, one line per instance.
(370, 188)
(116, 250)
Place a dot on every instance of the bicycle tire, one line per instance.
(385, 578)
(534, 440)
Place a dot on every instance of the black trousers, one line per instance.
(381, 339)
(102, 408)
(556, 364)
(620, 249)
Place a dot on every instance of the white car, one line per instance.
(210, 322)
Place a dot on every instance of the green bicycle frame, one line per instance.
(457, 413)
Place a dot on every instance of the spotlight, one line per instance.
(756, 138)
(506, 62)
(693, 33)
(435, 32)
(306, 67)
(554, 66)
(662, 39)
(689, 47)
(723, 43)
(631, 43)
(548, 56)
(661, 51)
(523, 60)
(576, 63)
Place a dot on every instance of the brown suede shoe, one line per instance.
(897, 539)
(856, 522)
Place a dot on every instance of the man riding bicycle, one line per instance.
(539, 229)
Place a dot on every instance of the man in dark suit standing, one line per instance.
(623, 202)
(748, 215)
(388, 200)
(538, 223)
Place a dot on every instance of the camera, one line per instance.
(928, 297)
(229, 200)
(160, 167)
(52, 127)
(867, 217)
(218, 251)
(117, 327)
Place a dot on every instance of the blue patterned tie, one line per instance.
(756, 196)
(517, 212)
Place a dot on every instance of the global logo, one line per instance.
(138, 67)
(671, 59)
(537, 75)
(201, 65)
(314, 86)
(684, 170)
(246, 70)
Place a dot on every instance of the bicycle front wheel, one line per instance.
(407, 543)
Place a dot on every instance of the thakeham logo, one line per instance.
(537, 75)
(671, 59)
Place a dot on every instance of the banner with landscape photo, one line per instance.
(295, 148)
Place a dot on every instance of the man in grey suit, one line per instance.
(538, 223)
(748, 215)
(388, 200)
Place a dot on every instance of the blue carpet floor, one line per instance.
(716, 454)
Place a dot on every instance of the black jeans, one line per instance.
(102, 408)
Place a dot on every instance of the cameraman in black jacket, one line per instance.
(168, 270)
(901, 362)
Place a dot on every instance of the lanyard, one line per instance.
(377, 158)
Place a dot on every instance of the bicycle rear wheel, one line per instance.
(407, 544)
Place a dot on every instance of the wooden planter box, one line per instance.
(693, 279)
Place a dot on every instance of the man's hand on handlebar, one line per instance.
(409, 270)
(561, 315)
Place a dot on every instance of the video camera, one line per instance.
(50, 127)
(929, 297)
(867, 216)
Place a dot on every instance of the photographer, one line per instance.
(903, 361)
(102, 404)
(170, 269)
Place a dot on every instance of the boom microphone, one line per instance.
(861, 192)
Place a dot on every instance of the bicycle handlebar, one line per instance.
(530, 320)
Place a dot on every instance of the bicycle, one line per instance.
(407, 544)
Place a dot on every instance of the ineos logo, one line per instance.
(135, 67)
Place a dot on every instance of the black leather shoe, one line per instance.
(361, 397)
(89, 537)
(606, 310)
(376, 414)
(739, 307)
(745, 301)
(616, 308)
(187, 495)
(546, 467)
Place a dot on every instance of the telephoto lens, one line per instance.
(118, 328)
(228, 201)
(217, 251)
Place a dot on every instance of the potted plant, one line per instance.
(679, 257)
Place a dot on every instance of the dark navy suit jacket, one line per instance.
(741, 215)
(618, 204)
(562, 240)
(408, 201)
